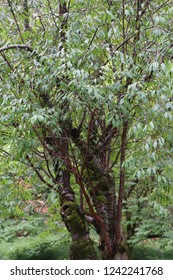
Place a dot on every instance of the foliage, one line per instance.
(36, 248)
(11, 229)
(152, 250)
(86, 105)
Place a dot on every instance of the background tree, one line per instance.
(86, 95)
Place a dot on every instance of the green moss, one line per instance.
(82, 249)
(101, 198)
(73, 218)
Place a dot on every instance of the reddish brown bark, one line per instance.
(118, 233)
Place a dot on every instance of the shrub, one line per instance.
(35, 248)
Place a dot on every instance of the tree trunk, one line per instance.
(82, 247)
(101, 188)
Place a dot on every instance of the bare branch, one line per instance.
(16, 46)
(53, 15)
(161, 6)
(38, 173)
(15, 19)
(6, 60)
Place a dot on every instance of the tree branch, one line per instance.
(121, 185)
(16, 46)
(15, 19)
(38, 173)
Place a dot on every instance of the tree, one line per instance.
(85, 91)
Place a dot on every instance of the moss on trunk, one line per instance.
(82, 247)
